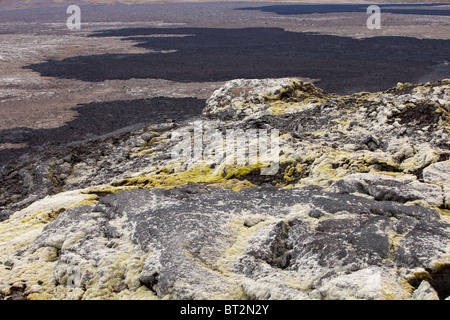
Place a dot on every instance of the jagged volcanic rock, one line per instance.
(358, 208)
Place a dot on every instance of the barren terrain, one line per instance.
(143, 63)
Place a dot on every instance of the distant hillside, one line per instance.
(16, 4)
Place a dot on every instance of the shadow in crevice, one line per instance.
(99, 118)
(441, 281)
(343, 64)
(399, 8)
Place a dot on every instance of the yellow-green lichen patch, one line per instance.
(323, 170)
(422, 274)
(223, 279)
(35, 274)
(297, 91)
(148, 147)
(117, 274)
(404, 87)
(54, 177)
(43, 216)
(289, 173)
(395, 289)
(322, 166)
(424, 157)
(294, 97)
(444, 112)
(242, 231)
(444, 212)
(108, 272)
(441, 264)
(280, 107)
(107, 189)
(42, 211)
(232, 171)
(203, 174)
(22, 228)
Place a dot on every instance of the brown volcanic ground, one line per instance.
(132, 64)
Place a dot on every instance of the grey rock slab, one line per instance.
(437, 172)
(425, 292)
(388, 188)
(190, 231)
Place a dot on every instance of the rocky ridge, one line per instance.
(358, 209)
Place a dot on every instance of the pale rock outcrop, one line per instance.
(437, 172)
(391, 188)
